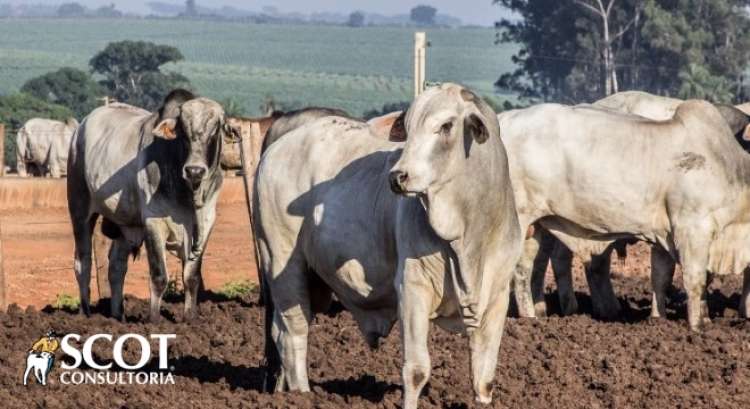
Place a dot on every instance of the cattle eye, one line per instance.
(446, 128)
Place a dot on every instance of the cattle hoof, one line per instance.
(540, 310)
(373, 340)
(697, 327)
(484, 400)
(85, 310)
(189, 316)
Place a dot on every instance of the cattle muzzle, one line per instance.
(194, 175)
(398, 181)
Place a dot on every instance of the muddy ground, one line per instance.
(38, 255)
(558, 362)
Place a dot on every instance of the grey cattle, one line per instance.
(677, 184)
(44, 144)
(324, 205)
(595, 256)
(154, 178)
(292, 120)
(662, 108)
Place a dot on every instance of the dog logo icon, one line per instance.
(41, 358)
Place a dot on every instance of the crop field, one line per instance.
(357, 69)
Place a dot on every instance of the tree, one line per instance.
(548, 36)
(423, 15)
(18, 108)
(69, 87)
(232, 107)
(604, 11)
(108, 11)
(697, 82)
(356, 19)
(71, 10)
(132, 72)
(626, 44)
(190, 8)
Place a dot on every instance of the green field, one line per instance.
(353, 68)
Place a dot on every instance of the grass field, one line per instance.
(353, 68)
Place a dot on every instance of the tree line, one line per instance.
(582, 50)
(126, 71)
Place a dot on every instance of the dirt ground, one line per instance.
(38, 255)
(558, 362)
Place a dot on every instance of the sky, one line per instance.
(481, 12)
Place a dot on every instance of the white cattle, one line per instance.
(44, 144)
(327, 221)
(682, 184)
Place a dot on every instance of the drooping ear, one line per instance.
(474, 126)
(473, 123)
(398, 129)
(168, 113)
(166, 129)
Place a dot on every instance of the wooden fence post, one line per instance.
(2, 149)
(3, 300)
(420, 45)
(100, 250)
(250, 144)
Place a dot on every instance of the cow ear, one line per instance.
(232, 133)
(474, 126)
(746, 134)
(398, 129)
(166, 129)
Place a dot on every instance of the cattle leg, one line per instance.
(21, 153)
(157, 263)
(562, 266)
(603, 299)
(54, 169)
(745, 300)
(83, 229)
(291, 319)
(522, 278)
(694, 259)
(191, 279)
(539, 271)
(21, 167)
(485, 346)
(662, 272)
(118, 267)
(414, 313)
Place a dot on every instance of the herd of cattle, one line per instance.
(432, 214)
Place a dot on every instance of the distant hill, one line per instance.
(271, 14)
